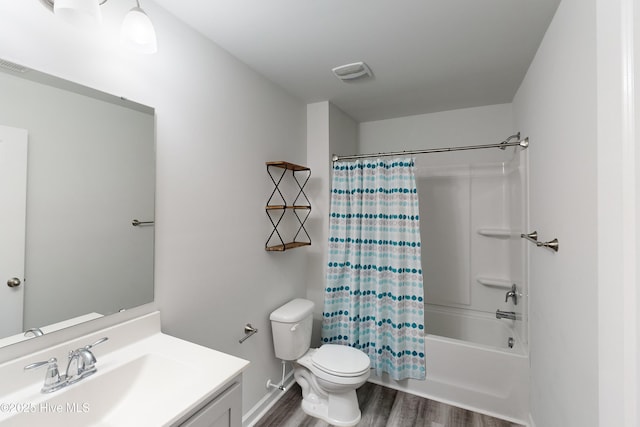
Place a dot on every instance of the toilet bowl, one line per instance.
(329, 375)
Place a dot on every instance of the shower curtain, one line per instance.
(374, 297)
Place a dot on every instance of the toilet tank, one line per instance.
(291, 327)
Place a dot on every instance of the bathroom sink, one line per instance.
(158, 380)
(146, 391)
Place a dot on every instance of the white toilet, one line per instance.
(329, 375)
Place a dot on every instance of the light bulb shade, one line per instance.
(83, 13)
(138, 32)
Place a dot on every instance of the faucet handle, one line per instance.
(87, 360)
(52, 379)
(100, 341)
(52, 361)
(513, 293)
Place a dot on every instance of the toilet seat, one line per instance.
(340, 360)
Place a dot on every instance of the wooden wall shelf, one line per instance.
(282, 248)
(276, 212)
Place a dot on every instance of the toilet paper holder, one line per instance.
(248, 331)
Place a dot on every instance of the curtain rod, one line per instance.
(524, 143)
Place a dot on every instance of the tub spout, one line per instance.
(505, 315)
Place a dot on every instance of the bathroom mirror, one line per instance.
(90, 170)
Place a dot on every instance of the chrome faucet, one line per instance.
(513, 293)
(505, 315)
(82, 363)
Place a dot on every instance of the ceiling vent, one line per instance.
(12, 67)
(357, 70)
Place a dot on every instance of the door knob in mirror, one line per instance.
(14, 282)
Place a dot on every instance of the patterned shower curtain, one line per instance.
(374, 297)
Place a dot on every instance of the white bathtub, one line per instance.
(473, 327)
(480, 373)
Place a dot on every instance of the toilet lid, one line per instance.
(340, 360)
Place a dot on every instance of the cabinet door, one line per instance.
(223, 411)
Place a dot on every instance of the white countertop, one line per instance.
(144, 378)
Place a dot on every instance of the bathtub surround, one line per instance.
(475, 215)
(374, 299)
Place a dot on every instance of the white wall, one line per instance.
(91, 170)
(469, 126)
(319, 160)
(343, 132)
(329, 131)
(217, 123)
(556, 107)
(618, 68)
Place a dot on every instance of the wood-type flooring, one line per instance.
(381, 407)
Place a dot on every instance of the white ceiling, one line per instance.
(426, 55)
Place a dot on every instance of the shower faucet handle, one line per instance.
(513, 293)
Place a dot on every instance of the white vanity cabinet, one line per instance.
(224, 410)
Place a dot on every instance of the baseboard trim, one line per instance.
(252, 416)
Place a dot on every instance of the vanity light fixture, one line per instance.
(137, 31)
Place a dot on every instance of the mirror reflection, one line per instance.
(77, 168)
